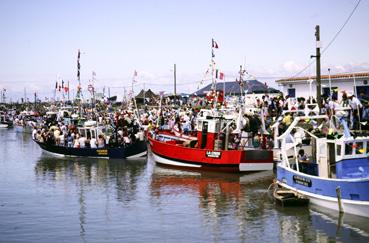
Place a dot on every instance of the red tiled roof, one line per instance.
(333, 76)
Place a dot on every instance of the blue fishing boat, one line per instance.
(335, 173)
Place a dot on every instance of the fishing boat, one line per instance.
(211, 148)
(135, 149)
(335, 175)
(5, 122)
(117, 152)
(212, 145)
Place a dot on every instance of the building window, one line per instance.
(327, 92)
(291, 93)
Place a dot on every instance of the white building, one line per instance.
(339, 83)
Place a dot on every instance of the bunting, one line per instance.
(134, 76)
(214, 44)
(221, 75)
(78, 65)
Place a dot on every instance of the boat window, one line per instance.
(359, 148)
(338, 149)
(93, 134)
(348, 148)
(82, 131)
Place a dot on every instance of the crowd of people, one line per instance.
(128, 126)
(117, 129)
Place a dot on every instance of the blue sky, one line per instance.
(274, 39)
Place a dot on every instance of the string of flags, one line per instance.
(61, 87)
(212, 64)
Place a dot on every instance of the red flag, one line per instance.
(221, 75)
(214, 44)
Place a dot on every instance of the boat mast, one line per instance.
(318, 79)
(214, 45)
(79, 88)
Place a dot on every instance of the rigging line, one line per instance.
(331, 42)
(343, 26)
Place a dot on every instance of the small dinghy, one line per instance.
(288, 198)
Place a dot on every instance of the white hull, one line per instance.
(165, 161)
(360, 208)
(137, 155)
(256, 166)
(243, 167)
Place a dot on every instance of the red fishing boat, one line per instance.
(210, 148)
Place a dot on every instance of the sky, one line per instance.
(272, 39)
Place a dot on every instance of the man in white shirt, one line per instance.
(82, 141)
(93, 143)
(355, 106)
(34, 133)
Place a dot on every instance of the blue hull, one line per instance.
(322, 191)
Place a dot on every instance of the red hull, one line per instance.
(175, 154)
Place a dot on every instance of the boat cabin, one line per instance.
(92, 130)
(338, 157)
(213, 132)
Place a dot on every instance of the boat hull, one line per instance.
(215, 160)
(131, 151)
(353, 193)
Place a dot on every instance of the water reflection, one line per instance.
(119, 174)
(221, 197)
(117, 177)
(332, 226)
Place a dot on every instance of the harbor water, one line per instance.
(44, 198)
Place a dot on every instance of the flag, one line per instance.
(216, 73)
(214, 44)
(134, 76)
(56, 85)
(66, 89)
(62, 84)
(221, 75)
(212, 53)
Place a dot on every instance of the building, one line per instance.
(234, 88)
(337, 83)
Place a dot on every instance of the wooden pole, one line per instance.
(318, 80)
